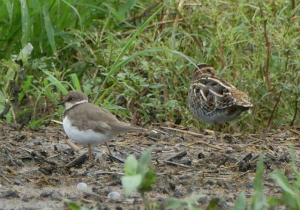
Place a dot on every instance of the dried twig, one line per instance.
(79, 160)
(268, 45)
(73, 146)
(5, 110)
(13, 113)
(294, 131)
(273, 111)
(177, 155)
(180, 5)
(176, 164)
(4, 177)
(107, 172)
(31, 104)
(140, 15)
(193, 134)
(183, 131)
(295, 114)
(57, 122)
(150, 26)
(188, 25)
(207, 144)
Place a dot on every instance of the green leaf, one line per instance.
(49, 29)
(25, 53)
(213, 203)
(117, 64)
(56, 82)
(76, 82)
(274, 201)
(240, 203)
(130, 183)
(144, 161)
(131, 165)
(173, 203)
(25, 22)
(25, 87)
(76, 11)
(128, 5)
(114, 12)
(293, 162)
(104, 94)
(258, 201)
(148, 180)
(9, 7)
(258, 176)
(282, 181)
(74, 206)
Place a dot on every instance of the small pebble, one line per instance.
(114, 196)
(17, 182)
(82, 186)
(201, 155)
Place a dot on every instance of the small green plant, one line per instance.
(138, 176)
(290, 197)
(74, 206)
(259, 201)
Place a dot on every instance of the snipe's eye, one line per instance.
(70, 98)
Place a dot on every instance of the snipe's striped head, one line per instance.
(203, 69)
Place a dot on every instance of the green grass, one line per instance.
(141, 69)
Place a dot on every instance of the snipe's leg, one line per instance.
(215, 132)
(106, 144)
(90, 153)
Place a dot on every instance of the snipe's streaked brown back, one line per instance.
(214, 100)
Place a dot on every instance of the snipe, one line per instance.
(212, 99)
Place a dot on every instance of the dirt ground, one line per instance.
(33, 173)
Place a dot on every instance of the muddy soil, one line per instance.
(33, 173)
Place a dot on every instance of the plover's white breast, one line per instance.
(83, 137)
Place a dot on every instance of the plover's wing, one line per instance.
(117, 125)
(89, 117)
(101, 115)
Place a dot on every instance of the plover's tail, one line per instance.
(124, 127)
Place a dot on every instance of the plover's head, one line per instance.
(73, 98)
(203, 69)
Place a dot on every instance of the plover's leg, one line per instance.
(90, 153)
(106, 144)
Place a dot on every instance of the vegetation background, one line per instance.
(135, 58)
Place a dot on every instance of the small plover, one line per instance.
(88, 124)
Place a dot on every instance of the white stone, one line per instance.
(114, 196)
(82, 186)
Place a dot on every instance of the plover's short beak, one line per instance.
(61, 103)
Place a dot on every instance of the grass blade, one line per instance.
(117, 62)
(56, 82)
(25, 22)
(75, 81)
(240, 203)
(104, 94)
(9, 8)
(49, 29)
(144, 52)
(76, 11)
(282, 181)
(25, 88)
